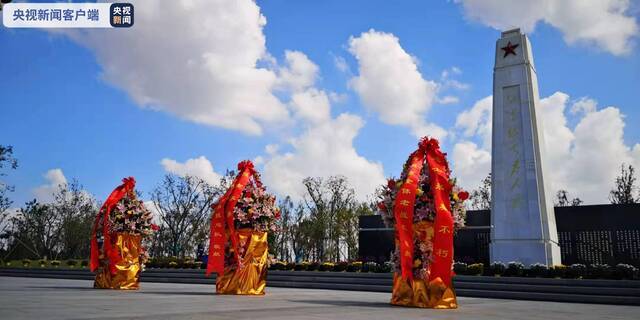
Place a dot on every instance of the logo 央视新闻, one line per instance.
(121, 15)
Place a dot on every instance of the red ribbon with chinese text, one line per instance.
(403, 208)
(443, 224)
(223, 217)
(128, 184)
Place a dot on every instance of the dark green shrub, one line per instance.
(313, 266)
(576, 271)
(326, 266)
(303, 266)
(625, 271)
(173, 264)
(279, 265)
(84, 263)
(558, 271)
(340, 266)
(599, 271)
(370, 267)
(386, 267)
(460, 268)
(42, 263)
(475, 269)
(290, 266)
(188, 263)
(199, 265)
(26, 262)
(514, 269)
(55, 263)
(355, 266)
(497, 268)
(72, 263)
(538, 270)
(151, 263)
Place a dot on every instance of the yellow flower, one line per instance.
(399, 184)
(419, 192)
(417, 263)
(455, 196)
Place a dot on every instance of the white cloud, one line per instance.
(604, 23)
(199, 167)
(477, 121)
(448, 100)
(299, 72)
(311, 105)
(584, 160)
(202, 63)
(584, 105)
(325, 149)
(597, 153)
(390, 84)
(338, 97)
(453, 70)
(447, 82)
(55, 178)
(271, 149)
(471, 164)
(341, 64)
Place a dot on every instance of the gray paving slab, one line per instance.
(32, 298)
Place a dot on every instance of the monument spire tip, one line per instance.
(511, 32)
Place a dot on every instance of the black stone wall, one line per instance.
(608, 234)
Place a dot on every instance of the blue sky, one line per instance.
(60, 111)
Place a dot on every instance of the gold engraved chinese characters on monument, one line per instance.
(418, 292)
(251, 277)
(127, 268)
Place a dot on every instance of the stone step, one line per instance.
(600, 291)
(562, 290)
(558, 297)
(552, 282)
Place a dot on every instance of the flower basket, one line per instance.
(251, 277)
(238, 248)
(120, 228)
(425, 207)
(125, 257)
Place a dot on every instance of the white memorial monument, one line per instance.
(523, 225)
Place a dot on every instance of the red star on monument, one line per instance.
(509, 49)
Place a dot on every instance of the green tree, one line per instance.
(7, 161)
(77, 210)
(331, 204)
(184, 206)
(36, 231)
(481, 197)
(281, 240)
(562, 199)
(622, 193)
(350, 224)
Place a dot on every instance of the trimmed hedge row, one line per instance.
(511, 269)
(355, 266)
(42, 263)
(574, 271)
(174, 263)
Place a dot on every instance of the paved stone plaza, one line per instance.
(32, 298)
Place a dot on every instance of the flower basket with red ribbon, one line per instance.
(119, 231)
(426, 208)
(240, 223)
